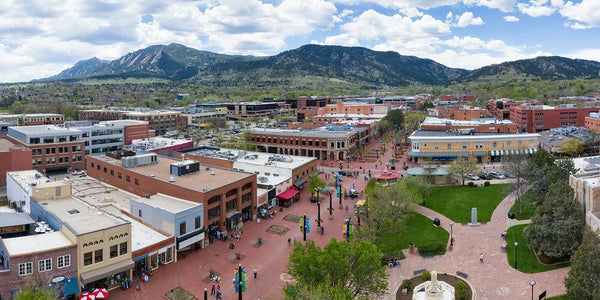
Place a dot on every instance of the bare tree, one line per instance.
(516, 165)
(462, 167)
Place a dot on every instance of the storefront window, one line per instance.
(154, 261)
(123, 248)
(113, 251)
(87, 258)
(98, 256)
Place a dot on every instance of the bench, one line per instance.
(417, 272)
(461, 274)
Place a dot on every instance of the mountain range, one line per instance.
(346, 64)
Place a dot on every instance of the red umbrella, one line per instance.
(87, 296)
(100, 293)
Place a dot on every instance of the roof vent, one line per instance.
(171, 179)
(212, 173)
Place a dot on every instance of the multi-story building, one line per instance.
(458, 98)
(592, 122)
(4, 128)
(476, 125)
(500, 108)
(160, 145)
(483, 147)
(329, 142)
(409, 102)
(254, 109)
(160, 121)
(354, 108)
(228, 196)
(537, 118)
(586, 184)
(47, 259)
(52, 147)
(13, 157)
(323, 119)
(464, 113)
(101, 137)
(33, 119)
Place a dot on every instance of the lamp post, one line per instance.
(451, 238)
(330, 206)
(532, 283)
(319, 214)
(516, 244)
(240, 282)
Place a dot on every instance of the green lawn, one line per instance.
(528, 207)
(561, 297)
(526, 260)
(419, 229)
(455, 202)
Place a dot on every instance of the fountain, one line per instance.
(433, 290)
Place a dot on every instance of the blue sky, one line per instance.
(39, 38)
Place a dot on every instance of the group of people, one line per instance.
(216, 291)
(393, 262)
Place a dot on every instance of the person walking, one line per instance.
(212, 289)
(294, 241)
(255, 273)
(481, 258)
(218, 296)
(289, 241)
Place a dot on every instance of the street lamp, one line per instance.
(451, 238)
(516, 244)
(532, 283)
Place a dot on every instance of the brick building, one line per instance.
(592, 122)
(477, 125)
(537, 118)
(38, 258)
(228, 196)
(464, 113)
(33, 119)
(459, 98)
(353, 108)
(14, 157)
(329, 142)
(160, 121)
(500, 108)
(52, 147)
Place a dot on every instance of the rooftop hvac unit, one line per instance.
(185, 167)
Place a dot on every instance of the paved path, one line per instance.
(494, 279)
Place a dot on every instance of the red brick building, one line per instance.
(500, 108)
(459, 98)
(537, 118)
(158, 120)
(13, 157)
(33, 119)
(592, 122)
(461, 113)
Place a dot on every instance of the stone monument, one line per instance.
(433, 290)
(474, 217)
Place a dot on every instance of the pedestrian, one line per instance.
(294, 241)
(212, 289)
(322, 230)
(346, 208)
(481, 257)
(289, 241)
(218, 296)
(255, 273)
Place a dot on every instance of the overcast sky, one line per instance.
(39, 38)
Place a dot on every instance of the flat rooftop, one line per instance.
(168, 203)
(100, 194)
(142, 236)
(46, 129)
(153, 143)
(476, 122)
(80, 217)
(251, 157)
(316, 132)
(441, 133)
(213, 178)
(36, 243)
(26, 177)
(6, 145)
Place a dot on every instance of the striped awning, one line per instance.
(511, 152)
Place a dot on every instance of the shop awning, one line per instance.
(287, 194)
(299, 182)
(70, 286)
(106, 271)
(478, 153)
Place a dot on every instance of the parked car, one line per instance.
(509, 175)
(496, 175)
(78, 172)
(485, 176)
(472, 177)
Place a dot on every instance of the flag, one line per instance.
(307, 225)
(301, 224)
(244, 280)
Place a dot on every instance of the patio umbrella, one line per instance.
(100, 293)
(87, 296)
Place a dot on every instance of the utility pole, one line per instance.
(304, 228)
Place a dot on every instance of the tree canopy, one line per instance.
(583, 281)
(556, 228)
(395, 117)
(353, 269)
(462, 167)
(542, 169)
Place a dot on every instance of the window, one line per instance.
(45, 265)
(530, 143)
(197, 222)
(508, 144)
(113, 251)
(105, 170)
(214, 199)
(119, 175)
(63, 261)
(25, 268)
(494, 145)
(464, 145)
(137, 181)
(112, 172)
(182, 228)
(436, 146)
(87, 258)
(98, 256)
(123, 248)
(127, 178)
(449, 146)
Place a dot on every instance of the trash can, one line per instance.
(436, 222)
(511, 215)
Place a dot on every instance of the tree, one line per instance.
(395, 117)
(583, 281)
(351, 268)
(387, 207)
(572, 147)
(315, 181)
(244, 141)
(542, 170)
(35, 290)
(462, 167)
(556, 227)
(515, 164)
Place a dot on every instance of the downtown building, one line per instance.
(538, 118)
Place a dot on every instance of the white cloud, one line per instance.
(588, 53)
(463, 20)
(345, 13)
(503, 5)
(538, 8)
(511, 19)
(585, 14)
(342, 39)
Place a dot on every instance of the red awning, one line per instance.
(386, 174)
(289, 193)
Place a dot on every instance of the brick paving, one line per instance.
(494, 279)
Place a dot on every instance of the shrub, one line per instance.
(486, 183)
(461, 290)
(406, 284)
(426, 275)
(471, 184)
(431, 248)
